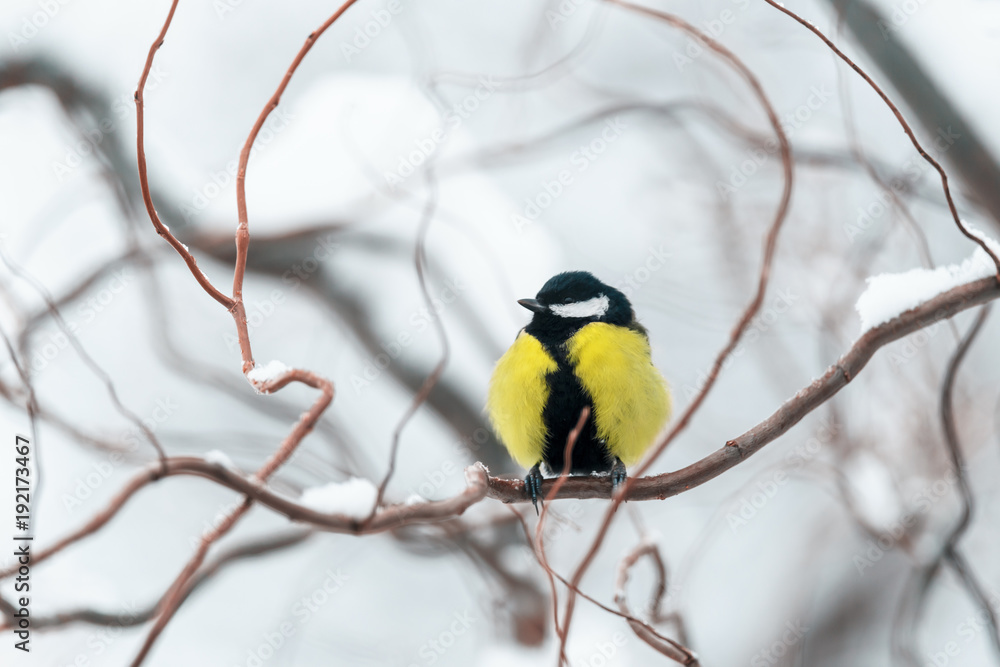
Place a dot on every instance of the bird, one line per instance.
(583, 348)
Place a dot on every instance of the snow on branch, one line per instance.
(890, 294)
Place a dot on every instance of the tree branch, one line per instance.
(664, 645)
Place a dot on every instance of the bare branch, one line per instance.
(950, 552)
(233, 554)
(147, 198)
(906, 128)
(666, 646)
(543, 559)
(597, 603)
(88, 360)
(420, 264)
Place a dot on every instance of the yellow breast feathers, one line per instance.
(631, 400)
(517, 396)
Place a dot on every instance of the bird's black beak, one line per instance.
(532, 305)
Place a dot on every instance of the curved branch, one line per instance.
(147, 198)
(238, 309)
(244, 551)
(950, 552)
(975, 238)
(664, 645)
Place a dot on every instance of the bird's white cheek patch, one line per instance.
(595, 307)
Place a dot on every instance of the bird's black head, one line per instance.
(570, 300)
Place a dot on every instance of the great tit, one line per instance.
(582, 348)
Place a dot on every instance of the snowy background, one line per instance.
(664, 190)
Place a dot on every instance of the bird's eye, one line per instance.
(568, 299)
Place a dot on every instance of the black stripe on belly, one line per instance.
(567, 398)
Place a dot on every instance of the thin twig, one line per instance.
(950, 552)
(147, 198)
(668, 647)
(611, 610)
(420, 264)
(250, 549)
(88, 360)
(238, 308)
(540, 526)
(906, 128)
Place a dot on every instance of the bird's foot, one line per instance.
(618, 476)
(533, 485)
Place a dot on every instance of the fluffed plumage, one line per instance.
(583, 348)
